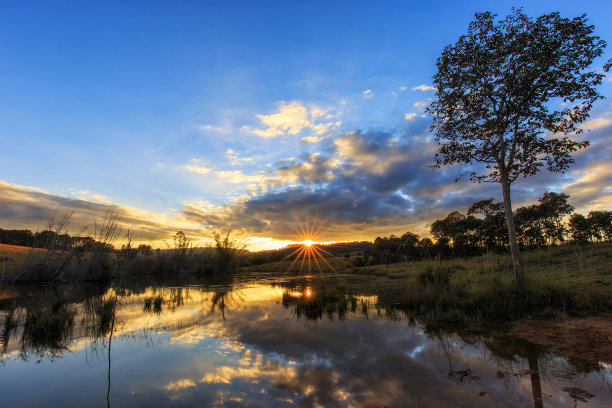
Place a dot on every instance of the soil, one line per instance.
(589, 338)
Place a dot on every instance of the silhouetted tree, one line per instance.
(553, 207)
(580, 228)
(505, 84)
(493, 233)
(600, 223)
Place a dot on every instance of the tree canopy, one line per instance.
(504, 85)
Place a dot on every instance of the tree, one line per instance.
(601, 224)
(553, 207)
(580, 229)
(509, 93)
(181, 244)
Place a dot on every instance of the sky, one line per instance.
(253, 116)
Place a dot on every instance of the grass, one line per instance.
(336, 264)
(559, 281)
(15, 256)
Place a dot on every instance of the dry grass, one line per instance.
(15, 256)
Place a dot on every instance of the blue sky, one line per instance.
(200, 115)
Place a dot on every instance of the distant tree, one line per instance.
(552, 208)
(580, 228)
(425, 248)
(181, 244)
(600, 223)
(529, 227)
(461, 230)
(144, 249)
(409, 246)
(505, 85)
(16, 237)
(493, 233)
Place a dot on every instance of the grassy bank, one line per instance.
(560, 281)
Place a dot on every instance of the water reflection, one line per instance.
(295, 342)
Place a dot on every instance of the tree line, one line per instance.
(49, 239)
(552, 221)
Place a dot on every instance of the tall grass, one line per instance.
(52, 263)
(454, 292)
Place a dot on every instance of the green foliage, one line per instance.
(438, 274)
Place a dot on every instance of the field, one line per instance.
(13, 257)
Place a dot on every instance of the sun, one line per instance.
(309, 252)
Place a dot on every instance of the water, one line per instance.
(264, 343)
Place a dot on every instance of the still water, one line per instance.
(265, 343)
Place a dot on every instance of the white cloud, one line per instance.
(311, 139)
(421, 105)
(89, 196)
(294, 117)
(410, 116)
(195, 167)
(236, 160)
(368, 94)
(216, 129)
(599, 123)
(424, 88)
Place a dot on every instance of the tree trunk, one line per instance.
(519, 274)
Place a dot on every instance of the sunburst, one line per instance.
(309, 254)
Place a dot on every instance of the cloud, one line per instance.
(360, 184)
(293, 118)
(32, 208)
(89, 196)
(179, 385)
(411, 116)
(598, 123)
(424, 88)
(311, 139)
(195, 167)
(421, 105)
(216, 129)
(364, 185)
(236, 160)
(368, 94)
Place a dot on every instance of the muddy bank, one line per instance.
(585, 337)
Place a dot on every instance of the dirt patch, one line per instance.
(586, 337)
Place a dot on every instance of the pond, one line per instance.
(267, 342)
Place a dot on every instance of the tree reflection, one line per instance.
(47, 331)
(313, 304)
(223, 299)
